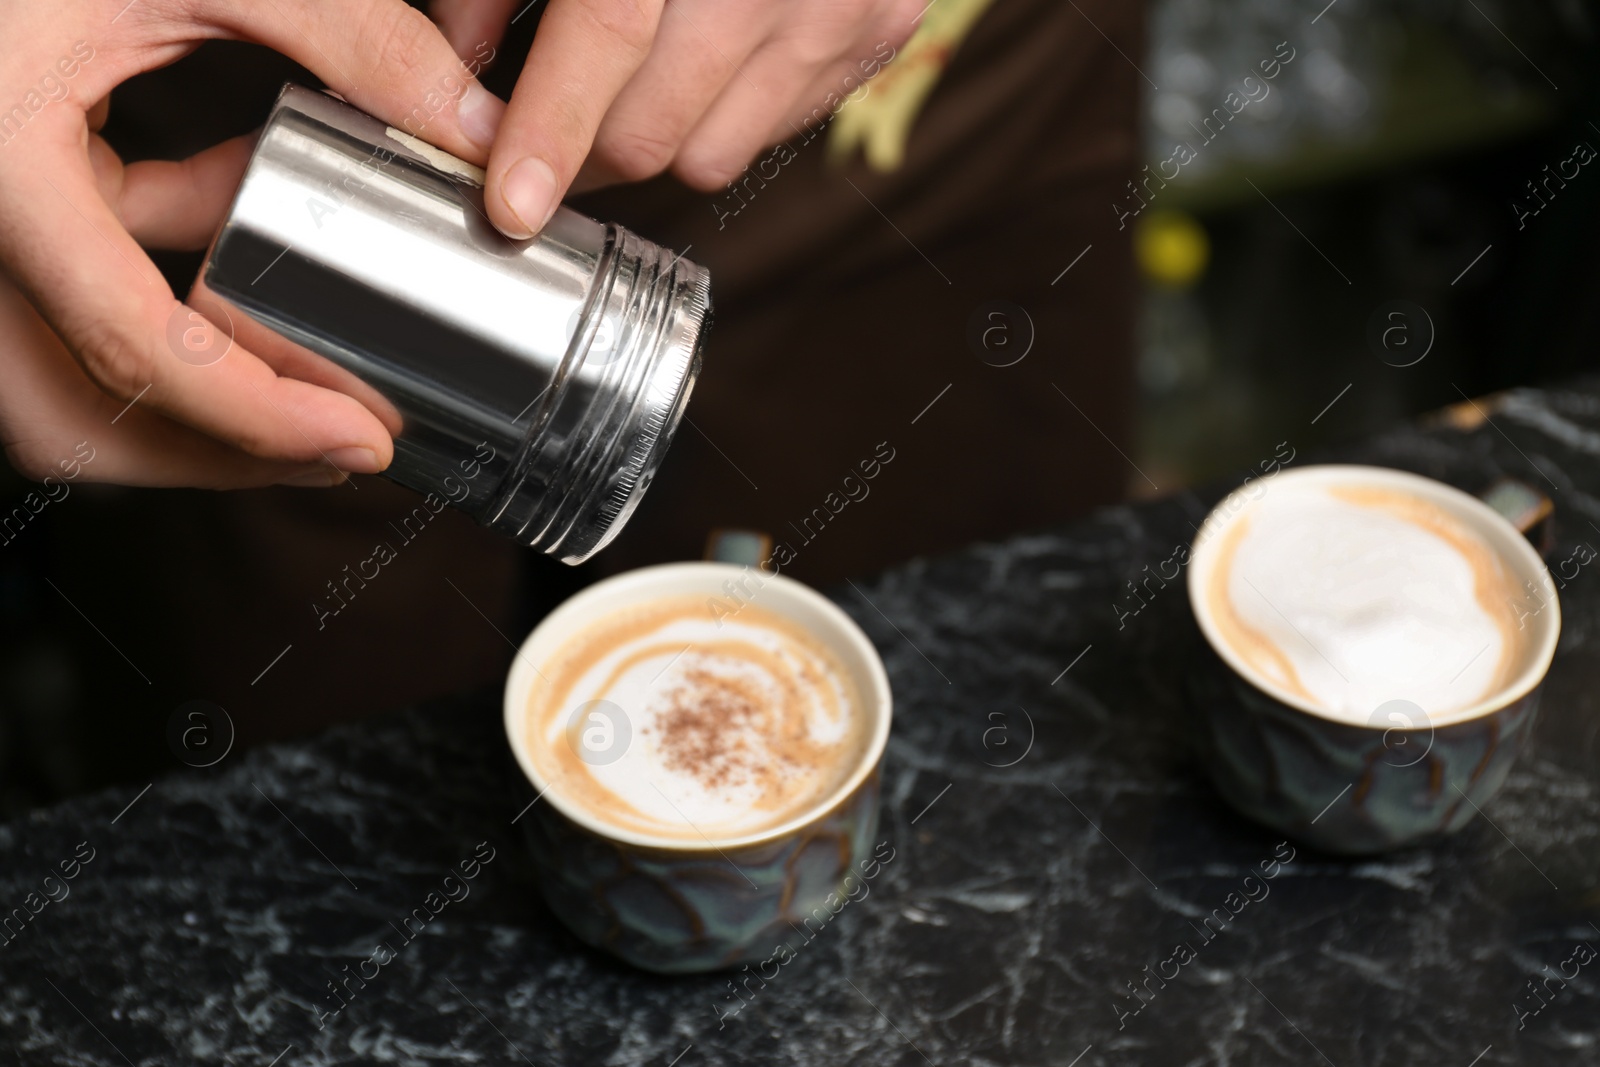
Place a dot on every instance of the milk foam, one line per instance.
(1352, 597)
(734, 728)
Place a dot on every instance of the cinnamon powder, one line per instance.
(710, 732)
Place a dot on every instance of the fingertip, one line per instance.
(706, 172)
(356, 459)
(531, 193)
(353, 446)
(323, 477)
(306, 423)
(479, 115)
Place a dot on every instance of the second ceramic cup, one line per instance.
(675, 905)
(1352, 787)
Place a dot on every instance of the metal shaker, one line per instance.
(535, 384)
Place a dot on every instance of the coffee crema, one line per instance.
(658, 720)
(1350, 596)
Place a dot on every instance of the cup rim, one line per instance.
(638, 584)
(1503, 538)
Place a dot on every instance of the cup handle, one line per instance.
(1524, 507)
(749, 548)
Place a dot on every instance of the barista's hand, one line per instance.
(697, 86)
(86, 357)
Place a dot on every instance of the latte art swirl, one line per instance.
(657, 719)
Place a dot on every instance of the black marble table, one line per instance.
(1052, 839)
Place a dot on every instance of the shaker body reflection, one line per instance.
(535, 384)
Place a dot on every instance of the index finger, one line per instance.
(384, 56)
(584, 52)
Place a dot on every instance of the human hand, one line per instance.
(697, 86)
(87, 356)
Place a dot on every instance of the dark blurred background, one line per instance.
(1396, 141)
(1383, 166)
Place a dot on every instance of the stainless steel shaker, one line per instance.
(535, 384)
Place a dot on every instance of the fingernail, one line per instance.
(355, 460)
(479, 115)
(529, 189)
(314, 478)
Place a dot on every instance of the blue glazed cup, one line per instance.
(1399, 779)
(676, 906)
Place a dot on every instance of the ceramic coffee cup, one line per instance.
(674, 905)
(1398, 779)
